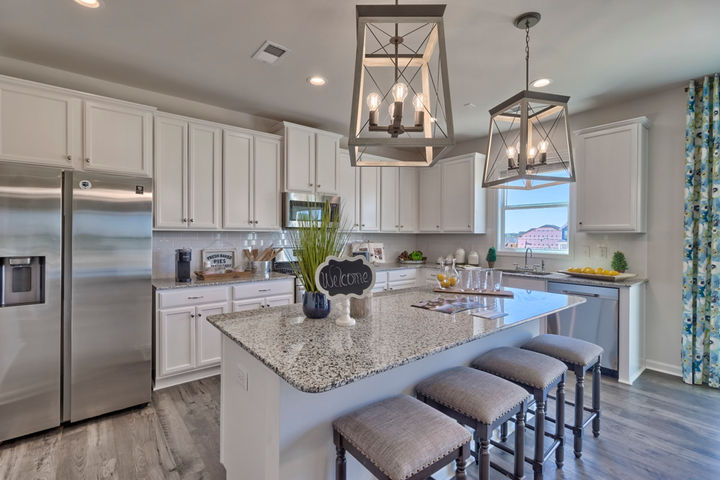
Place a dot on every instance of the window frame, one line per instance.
(502, 207)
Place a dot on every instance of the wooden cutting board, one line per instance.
(594, 276)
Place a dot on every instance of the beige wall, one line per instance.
(656, 254)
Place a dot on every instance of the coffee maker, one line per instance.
(182, 265)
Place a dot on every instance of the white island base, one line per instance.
(269, 430)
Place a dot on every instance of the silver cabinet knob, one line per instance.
(87, 160)
(184, 220)
(250, 222)
(402, 226)
(255, 222)
(318, 185)
(469, 226)
(68, 157)
(362, 225)
(192, 220)
(437, 226)
(199, 315)
(192, 315)
(310, 184)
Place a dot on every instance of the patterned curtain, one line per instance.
(701, 261)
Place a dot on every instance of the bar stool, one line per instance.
(538, 374)
(400, 438)
(579, 356)
(483, 402)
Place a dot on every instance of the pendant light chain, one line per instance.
(527, 54)
(397, 60)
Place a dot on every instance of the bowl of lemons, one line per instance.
(591, 271)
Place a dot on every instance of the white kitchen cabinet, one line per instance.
(347, 183)
(430, 192)
(517, 281)
(118, 138)
(463, 198)
(611, 163)
(381, 280)
(187, 174)
(408, 199)
(395, 280)
(389, 199)
(176, 352)
(208, 338)
(369, 199)
(251, 181)
(279, 300)
(38, 126)
(311, 157)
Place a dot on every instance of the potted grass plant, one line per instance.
(317, 237)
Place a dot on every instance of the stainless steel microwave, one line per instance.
(298, 206)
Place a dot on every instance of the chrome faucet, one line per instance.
(526, 256)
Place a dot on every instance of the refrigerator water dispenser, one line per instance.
(22, 281)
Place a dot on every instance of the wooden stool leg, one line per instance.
(460, 463)
(484, 458)
(340, 464)
(579, 410)
(503, 432)
(539, 435)
(596, 399)
(520, 444)
(560, 423)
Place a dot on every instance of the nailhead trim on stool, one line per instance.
(579, 356)
(400, 438)
(538, 374)
(482, 402)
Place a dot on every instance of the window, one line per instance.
(534, 218)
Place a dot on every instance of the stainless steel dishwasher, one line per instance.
(595, 321)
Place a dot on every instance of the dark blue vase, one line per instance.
(316, 305)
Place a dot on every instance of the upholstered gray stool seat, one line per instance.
(567, 349)
(521, 366)
(538, 374)
(399, 438)
(483, 402)
(580, 356)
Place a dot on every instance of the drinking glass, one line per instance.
(480, 279)
(496, 282)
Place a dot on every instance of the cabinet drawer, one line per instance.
(192, 296)
(402, 275)
(401, 285)
(262, 289)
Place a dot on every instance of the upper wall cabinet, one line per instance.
(187, 173)
(311, 158)
(452, 199)
(612, 176)
(118, 138)
(251, 181)
(347, 189)
(38, 126)
(399, 199)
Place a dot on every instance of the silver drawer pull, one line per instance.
(264, 289)
(195, 298)
(568, 292)
(403, 275)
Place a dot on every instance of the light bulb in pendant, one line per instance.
(419, 102)
(511, 152)
(542, 146)
(373, 101)
(399, 91)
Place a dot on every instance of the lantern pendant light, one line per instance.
(400, 53)
(529, 139)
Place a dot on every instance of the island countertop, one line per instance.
(317, 356)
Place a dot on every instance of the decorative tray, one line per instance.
(595, 276)
(494, 293)
(222, 276)
(413, 262)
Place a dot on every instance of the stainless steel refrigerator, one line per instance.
(75, 296)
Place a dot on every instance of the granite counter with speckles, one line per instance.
(170, 283)
(317, 356)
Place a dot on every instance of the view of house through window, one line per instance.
(534, 218)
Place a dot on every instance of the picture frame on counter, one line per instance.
(222, 258)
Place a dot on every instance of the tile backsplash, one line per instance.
(165, 243)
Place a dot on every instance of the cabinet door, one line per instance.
(237, 180)
(279, 300)
(369, 194)
(408, 199)
(299, 160)
(118, 139)
(266, 197)
(326, 153)
(458, 195)
(430, 192)
(381, 280)
(248, 304)
(389, 199)
(514, 281)
(38, 126)
(177, 340)
(170, 194)
(208, 338)
(608, 157)
(347, 189)
(204, 176)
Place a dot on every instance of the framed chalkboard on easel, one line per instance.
(348, 277)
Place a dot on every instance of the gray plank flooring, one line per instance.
(659, 428)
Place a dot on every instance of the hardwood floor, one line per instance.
(659, 428)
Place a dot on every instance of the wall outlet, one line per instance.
(603, 250)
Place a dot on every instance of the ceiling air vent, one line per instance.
(270, 52)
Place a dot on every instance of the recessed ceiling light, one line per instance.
(89, 3)
(317, 80)
(541, 82)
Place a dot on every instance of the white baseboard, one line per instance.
(662, 367)
(165, 382)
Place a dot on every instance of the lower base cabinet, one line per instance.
(187, 346)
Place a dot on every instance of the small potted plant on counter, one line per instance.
(318, 236)
(619, 263)
(491, 257)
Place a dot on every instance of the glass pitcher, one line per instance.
(448, 276)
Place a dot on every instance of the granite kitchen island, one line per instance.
(285, 377)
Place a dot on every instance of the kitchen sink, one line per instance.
(524, 272)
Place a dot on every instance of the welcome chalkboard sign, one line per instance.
(345, 277)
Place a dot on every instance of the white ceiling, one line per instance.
(594, 50)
